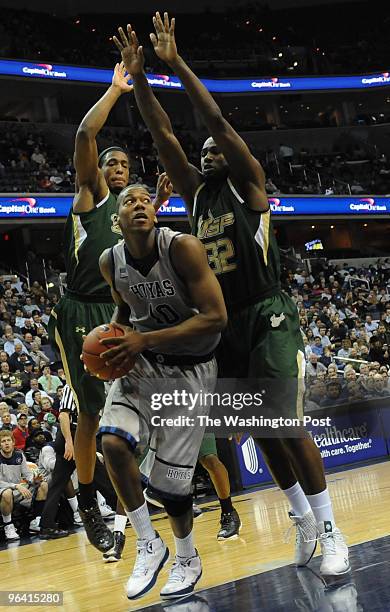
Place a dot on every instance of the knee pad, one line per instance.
(177, 507)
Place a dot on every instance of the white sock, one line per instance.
(298, 500)
(73, 503)
(185, 546)
(6, 518)
(120, 523)
(100, 499)
(142, 525)
(321, 506)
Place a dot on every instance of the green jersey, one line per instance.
(240, 244)
(87, 235)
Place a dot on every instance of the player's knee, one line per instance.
(211, 463)
(177, 507)
(7, 497)
(87, 423)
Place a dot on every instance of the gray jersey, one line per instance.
(160, 299)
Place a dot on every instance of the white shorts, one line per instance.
(128, 414)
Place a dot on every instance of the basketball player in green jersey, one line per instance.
(91, 227)
(229, 212)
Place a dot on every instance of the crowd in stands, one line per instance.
(28, 163)
(248, 36)
(345, 322)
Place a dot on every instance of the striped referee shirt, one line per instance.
(68, 405)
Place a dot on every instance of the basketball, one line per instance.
(92, 349)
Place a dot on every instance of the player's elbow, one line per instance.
(84, 134)
(216, 122)
(218, 320)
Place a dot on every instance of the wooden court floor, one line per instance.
(361, 498)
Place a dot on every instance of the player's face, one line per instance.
(116, 170)
(136, 210)
(212, 161)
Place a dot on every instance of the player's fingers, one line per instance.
(172, 28)
(117, 43)
(153, 39)
(122, 36)
(166, 22)
(159, 22)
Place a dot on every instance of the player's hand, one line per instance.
(120, 80)
(69, 450)
(122, 348)
(132, 53)
(163, 40)
(38, 478)
(163, 191)
(24, 491)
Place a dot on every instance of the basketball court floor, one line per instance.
(251, 573)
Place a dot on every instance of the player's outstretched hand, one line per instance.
(132, 53)
(124, 347)
(163, 40)
(120, 79)
(163, 191)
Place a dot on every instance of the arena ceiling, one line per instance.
(76, 7)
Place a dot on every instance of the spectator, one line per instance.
(333, 394)
(49, 382)
(29, 307)
(20, 432)
(15, 361)
(34, 384)
(36, 354)
(49, 424)
(6, 423)
(9, 345)
(46, 408)
(13, 469)
(370, 326)
(313, 367)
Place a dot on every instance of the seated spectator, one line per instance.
(49, 382)
(344, 352)
(355, 391)
(316, 393)
(378, 353)
(380, 387)
(29, 307)
(34, 443)
(46, 408)
(18, 485)
(313, 367)
(57, 399)
(6, 423)
(34, 384)
(325, 341)
(370, 326)
(333, 394)
(317, 347)
(9, 345)
(49, 424)
(34, 425)
(327, 357)
(332, 371)
(16, 363)
(61, 376)
(349, 374)
(20, 432)
(37, 355)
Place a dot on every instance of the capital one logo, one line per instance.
(249, 455)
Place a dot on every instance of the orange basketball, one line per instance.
(92, 350)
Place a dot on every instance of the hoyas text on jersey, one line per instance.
(153, 290)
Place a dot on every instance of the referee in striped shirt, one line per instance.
(63, 470)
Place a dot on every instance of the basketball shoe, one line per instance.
(183, 576)
(152, 555)
(334, 550)
(99, 535)
(305, 537)
(115, 554)
(10, 533)
(230, 526)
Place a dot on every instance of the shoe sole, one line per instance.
(112, 560)
(337, 573)
(151, 584)
(185, 592)
(309, 559)
(232, 537)
(47, 537)
(12, 539)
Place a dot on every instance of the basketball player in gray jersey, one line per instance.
(164, 288)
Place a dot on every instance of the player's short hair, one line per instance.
(133, 186)
(105, 151)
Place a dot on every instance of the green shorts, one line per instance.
(70, 320)
(208, 446)
(264, 341)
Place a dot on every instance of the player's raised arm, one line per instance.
(246, 171)
(184, 176)
(90, 184)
